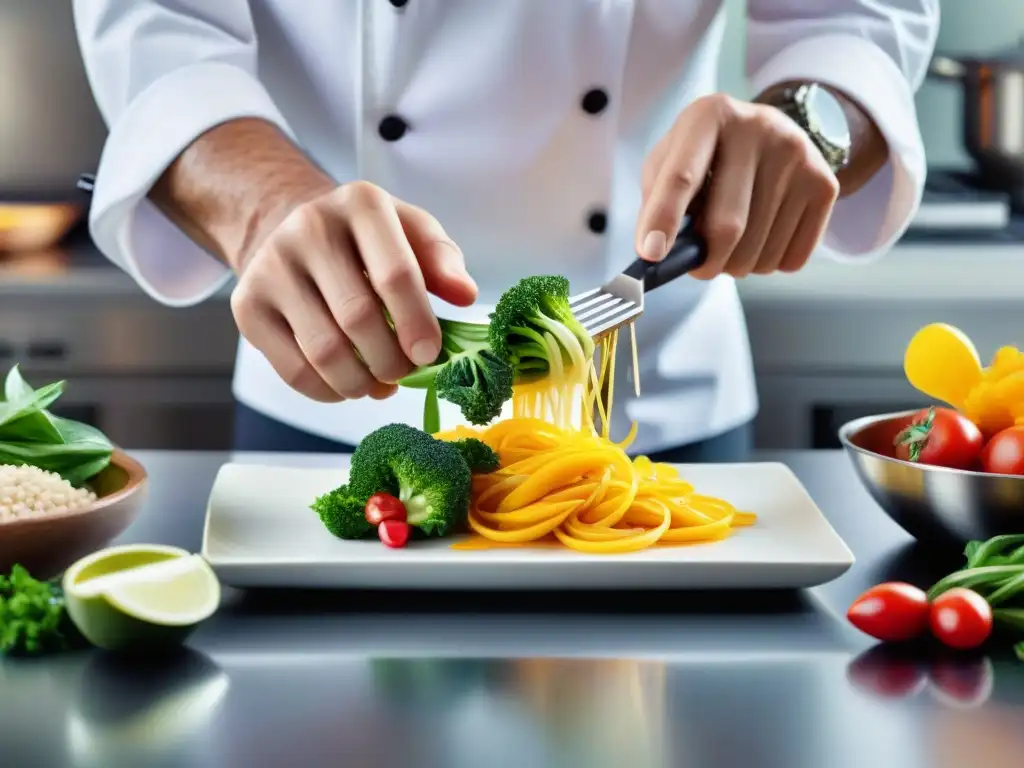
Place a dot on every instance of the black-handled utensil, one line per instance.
(621, 299)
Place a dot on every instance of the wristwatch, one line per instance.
(821, 116)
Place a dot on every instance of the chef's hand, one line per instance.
(312, 296)
(770, 196)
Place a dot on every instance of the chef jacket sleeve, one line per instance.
(163, 72)
(877, 52)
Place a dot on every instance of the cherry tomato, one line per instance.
(961, 618)
(941, 437)
(394, 533)
(384, 506)
(1004, 453)
(887, 672)
(892, 612)
(962, 683)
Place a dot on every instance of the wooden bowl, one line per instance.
(48, 544)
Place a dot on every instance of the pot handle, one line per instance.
(946, 68)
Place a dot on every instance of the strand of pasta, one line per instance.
(573, 483)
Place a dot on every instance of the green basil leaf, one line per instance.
(24, 419)
(74, 432)
(15, 387)
(76, 462)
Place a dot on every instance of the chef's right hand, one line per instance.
(311, 296)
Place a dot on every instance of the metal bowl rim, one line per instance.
(856, 425)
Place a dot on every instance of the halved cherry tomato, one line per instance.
(1004, 453)
(941, 437)
(892, 612)
(961, 618)
(384, 506)
(394, 533)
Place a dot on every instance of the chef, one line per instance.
(339, 157)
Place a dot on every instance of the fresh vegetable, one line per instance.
(384, 506)
(892, 612)
(467, 373)
(1004, 453)
(534, 329)
(393, 533)
(140, 597)
(961, 618)
(941, 437)
(481, 458)
(30, 434)
(941, 362)
(993, 574)
(343, 513)
(430, 477)
(33, 617)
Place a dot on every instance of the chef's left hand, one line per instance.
(770, 194)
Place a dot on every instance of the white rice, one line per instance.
(27, 491)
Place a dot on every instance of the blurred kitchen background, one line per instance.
(828, 343)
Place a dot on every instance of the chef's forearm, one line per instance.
(868, 149)
(234, 184)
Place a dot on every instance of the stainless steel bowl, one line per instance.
(931, 502)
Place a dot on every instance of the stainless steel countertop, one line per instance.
(393, 679)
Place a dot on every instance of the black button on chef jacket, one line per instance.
(392, 128)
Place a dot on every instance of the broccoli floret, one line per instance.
(430, 476)
(480, 457)
(370, 470)
(343, 513)
(467, 373)
(434, 484)
(532, 323)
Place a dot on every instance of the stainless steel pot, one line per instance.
(993, 112)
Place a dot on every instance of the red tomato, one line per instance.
(961, 618)
(891, 612)
(394, 533)
(384, 506)
(941, 437)
(1004, 453)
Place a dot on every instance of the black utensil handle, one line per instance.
(686, 254)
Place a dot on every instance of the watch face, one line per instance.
(827, 113)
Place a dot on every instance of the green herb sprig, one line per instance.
(30, 434)
(33, 618)
(995, 570)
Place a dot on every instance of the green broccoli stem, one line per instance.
(416, 508)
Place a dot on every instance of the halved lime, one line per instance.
(140, 596)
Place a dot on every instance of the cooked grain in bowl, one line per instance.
(27, 491)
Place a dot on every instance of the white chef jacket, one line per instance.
(521, 125)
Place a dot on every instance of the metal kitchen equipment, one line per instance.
(931, 503)
(621, 299)
(993, 112)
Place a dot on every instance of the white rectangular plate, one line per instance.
(260, 532)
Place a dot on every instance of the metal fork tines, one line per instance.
(602, 310)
